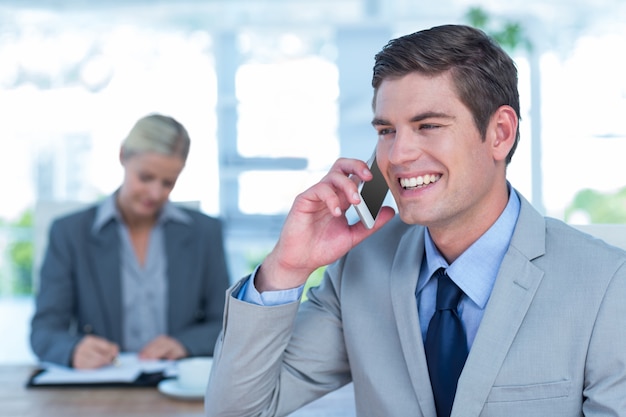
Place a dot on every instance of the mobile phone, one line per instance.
(373, 193)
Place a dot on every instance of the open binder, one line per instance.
(128, 372)
(144, 379)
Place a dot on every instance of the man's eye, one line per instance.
(427, 126)
(385, 132)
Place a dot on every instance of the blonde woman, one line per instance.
(133, 273)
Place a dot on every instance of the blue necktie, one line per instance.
(446, 344)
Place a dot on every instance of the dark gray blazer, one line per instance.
(80, 285)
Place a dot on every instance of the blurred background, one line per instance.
(272, 92)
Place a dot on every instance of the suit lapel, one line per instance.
(404, 274)
(180, 259)
(104, 252)
(513, 292)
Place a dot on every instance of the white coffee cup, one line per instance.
(193, 373)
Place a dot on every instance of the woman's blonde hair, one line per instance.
(157, 133)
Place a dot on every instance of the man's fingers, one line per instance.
(338, 189)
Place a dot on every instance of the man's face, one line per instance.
(149, 179)
(439, 170)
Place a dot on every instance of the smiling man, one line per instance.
(466, 303)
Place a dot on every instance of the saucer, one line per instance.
(171, 388)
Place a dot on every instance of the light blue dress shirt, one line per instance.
(144, 287)
(249, 293)
(475, 272)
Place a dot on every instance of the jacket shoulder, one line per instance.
(75, 218)
(386, 241)
(201, 219)
(391, 233)
(571, 237)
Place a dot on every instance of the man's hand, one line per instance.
(94, 352)
(316, 231)
(163, 347)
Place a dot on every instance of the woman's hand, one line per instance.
(163, 347)
(94, 352)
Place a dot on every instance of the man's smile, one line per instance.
(419, 181)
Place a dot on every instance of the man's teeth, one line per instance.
(419, 181)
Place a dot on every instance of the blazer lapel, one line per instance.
(104, 252)
(180, 261)
(513, 292)
(404, 274)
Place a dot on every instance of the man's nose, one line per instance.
(405, 147)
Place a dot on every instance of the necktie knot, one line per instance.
(448, 293)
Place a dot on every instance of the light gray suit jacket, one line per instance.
(552, 341)
(80, 287)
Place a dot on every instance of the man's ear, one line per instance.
(502, 131)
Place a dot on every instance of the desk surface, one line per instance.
(18, 401)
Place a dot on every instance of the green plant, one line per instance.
(598, 207)
(21, 253)
(314, 280)
(509, 34)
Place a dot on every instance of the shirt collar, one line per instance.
(107, 211)
(475, 271)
